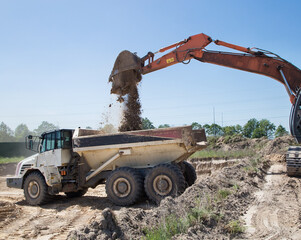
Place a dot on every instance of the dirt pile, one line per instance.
(262, 146)
(278, 145)
(103, 228)
(209, 206)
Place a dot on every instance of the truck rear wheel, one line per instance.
(78, 193)
(35, 189)
(124, 186)
(189, 173)
(164, 180)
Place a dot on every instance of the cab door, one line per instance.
(50, 157)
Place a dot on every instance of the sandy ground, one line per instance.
(51, 221)
(275, 214)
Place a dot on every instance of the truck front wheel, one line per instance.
(164, 180)
(35, 189)
(124, 186)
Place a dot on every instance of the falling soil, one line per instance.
(125, 77)
(132, 113)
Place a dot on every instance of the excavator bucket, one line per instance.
(125, 73)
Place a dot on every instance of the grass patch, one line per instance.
(234, 227)
(219, 154)
(252, 167)
(235, 187)
(223, 194)
(10, 160)
(169, 227)
(202, 213)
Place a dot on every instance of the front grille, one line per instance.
(24, 166)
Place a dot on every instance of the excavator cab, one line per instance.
(295, 118)
(126, 73)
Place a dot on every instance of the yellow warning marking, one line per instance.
(170, 60)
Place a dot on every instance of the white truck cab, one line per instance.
(54, 152)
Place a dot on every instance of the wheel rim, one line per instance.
(162, 185)
(33, 189)
(122, 187)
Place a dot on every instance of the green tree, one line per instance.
(164, 126)
(280, 131)
(196, 126)
(249, 127)
(213, 129)
(258, 133)
(238, 128)
(229, 130)
(21, 132)
(207, 128)
(267, 127)
(264, 129)
(6, 134)
(45, 127)
(147, 124)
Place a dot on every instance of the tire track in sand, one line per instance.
(276, 212)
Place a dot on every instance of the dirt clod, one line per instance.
(104, 227)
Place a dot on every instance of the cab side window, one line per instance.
(67, 143)
(50, 140)
(56, 140)
(43, 146)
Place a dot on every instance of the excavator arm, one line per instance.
(129, 68)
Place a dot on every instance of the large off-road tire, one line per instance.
(36, 189)
(124, 186)
(189, 173)
(164, 180)
(78, 193)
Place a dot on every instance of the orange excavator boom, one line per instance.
(129, 67)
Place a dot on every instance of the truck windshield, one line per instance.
(56, 140)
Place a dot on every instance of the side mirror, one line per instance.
(30, 143)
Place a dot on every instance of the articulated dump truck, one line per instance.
(130, 164)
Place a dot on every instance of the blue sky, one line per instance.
(56, 56)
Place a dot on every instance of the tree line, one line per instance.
(21, 131)
(252, 129)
